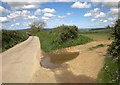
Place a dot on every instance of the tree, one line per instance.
(108, 27)
(38, 25)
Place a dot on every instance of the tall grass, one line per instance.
(47, 39)
(110, 72)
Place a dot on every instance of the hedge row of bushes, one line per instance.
(12, 37)
(110, 72)
(114, 49)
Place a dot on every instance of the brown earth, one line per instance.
(82, 69)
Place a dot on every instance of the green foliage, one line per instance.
(97, 46)
(12, 37)
(114, 48)
(116, 30)
(109, 72)
(111, 69)
(52, 40)
(65, 33)
(33, 30)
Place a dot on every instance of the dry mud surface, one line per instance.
(82, 69)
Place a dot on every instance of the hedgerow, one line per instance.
(12, 37)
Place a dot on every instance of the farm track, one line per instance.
(82, 69)
(19, 63)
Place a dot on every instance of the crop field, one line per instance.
(98, 34)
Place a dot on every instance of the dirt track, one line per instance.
(83, 69)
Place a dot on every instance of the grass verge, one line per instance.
(109, 73)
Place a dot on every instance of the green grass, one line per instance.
(97, 46)
(97, 34)
(47, 41)
(109, 73)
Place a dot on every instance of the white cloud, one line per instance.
(15, 14)
(64, 16)
(104, 20)
(48, 10)
(25, 12)
(93, 12)
(81, 5)
(38, 11)
(112, 23)
(93, 20)
(3, 10)
(4, 19)
(100, 15)
(49, 15)
(29, 23)
(45, 18)
(112, 19)
(12, 25)
(101, 20)
(17, 23)
(61, 17)
(110, 0)
(114, 11)
(29, 6)
(22, 5)
(94, 0)
(96, 10)
(87, 14)
(110, 3)
(32, 17)
(69, 14)
(16, 5)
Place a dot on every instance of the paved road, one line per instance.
(20, 62)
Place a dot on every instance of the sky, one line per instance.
(84, 14)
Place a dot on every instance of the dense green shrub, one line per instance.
(60, 37)
(12, 37)
(110, 72)
(114, 48)
(65, 33)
